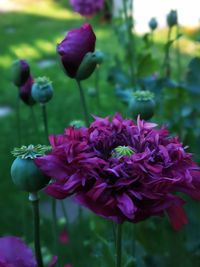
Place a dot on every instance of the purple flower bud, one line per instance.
(87, 8)
(25, 92)
(20, 72)
(77, 43)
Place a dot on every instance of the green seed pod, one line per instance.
(142, 103)
(172, 18)
(25, 174)
(87, 66)
(42, 90)
(153, 24)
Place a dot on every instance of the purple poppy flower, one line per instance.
(20, 72)
(87, 8)
(25, 92)
(122, 170)
(77, 43)
(15, 253)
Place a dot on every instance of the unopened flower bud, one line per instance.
(87, 66)
(42, 90)
(172, 18)
(20, 72)
(153, 24)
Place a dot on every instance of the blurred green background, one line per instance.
(31, 30)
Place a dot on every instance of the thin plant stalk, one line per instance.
(97, 86)
(130, 40)
(83, 102)
(45, 121)
(55, 228)
(167, 63)
(33, 197)
(64, 212)
(178, 56)
(18, 121)
(119, 245)
(33, 118)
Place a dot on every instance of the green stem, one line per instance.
(33, 117)
(33, 197)
(178, 57)
(45, 121)
(167, 63)
(55, 228)
(119, 246)
(64, 212)
(18, 121)
(97, 85)
(131, 46)
(84, 106)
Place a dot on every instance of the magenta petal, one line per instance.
(125, 204)
(51, 166)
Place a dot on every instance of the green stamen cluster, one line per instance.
(121, 151)
(31, 151)
(142, 95)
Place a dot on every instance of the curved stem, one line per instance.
(64, 212)
(82, 97)
(45, 121)
(36, 220)
(119, 246)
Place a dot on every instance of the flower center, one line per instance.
(121, 151)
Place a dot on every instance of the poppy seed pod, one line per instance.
(24, 172)
(142, 103)
(172, 18)
(42, 90)
(153, 24)
(20, 72)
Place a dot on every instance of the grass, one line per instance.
(32, 33)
